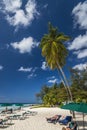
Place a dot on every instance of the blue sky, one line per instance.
(22, 25)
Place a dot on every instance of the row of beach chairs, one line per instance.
(61, 119)
(7, 121)
(64, 120)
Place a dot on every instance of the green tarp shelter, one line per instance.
(79, 107)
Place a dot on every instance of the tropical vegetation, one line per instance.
(56, 94)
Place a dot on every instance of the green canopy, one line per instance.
(69, 106)
(82, 107)
(79, 107)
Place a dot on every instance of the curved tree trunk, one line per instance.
(69, 91)
(63, 84)
(65, 80)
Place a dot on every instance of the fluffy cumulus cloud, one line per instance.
(52, 77)
(79, 45)
(22, 69)
(52, 81)
(16, 15)
(80, 14)
(25, 46)
(45, 6)
(1, 67)
(80, 66)
(44, 67)
(82, 54)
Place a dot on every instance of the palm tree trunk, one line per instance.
(69, 91)
(63, 84)
(65, 81)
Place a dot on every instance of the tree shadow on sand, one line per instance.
(80, 125)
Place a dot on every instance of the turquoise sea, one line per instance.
(14, 106)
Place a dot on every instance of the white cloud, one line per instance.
(1, 67)
(79, 46)
(52, 81)
(30, 70)
(32, 75)
(80, 66)
(34, 69)
(44, 66)
(11, 5)
(78, 43)
(25, 46)
(16, 16)
(25, 69)
(45, 6)
(53, 77)
(82, 54)
(80, 15)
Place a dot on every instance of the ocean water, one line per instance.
(13, 106)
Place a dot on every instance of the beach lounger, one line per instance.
(22, 117)
(7, 121)
(2, 124)
(53, 119)
(26, 114)
(31, 113)
(17, 117)
(14, 117)
(66, 120)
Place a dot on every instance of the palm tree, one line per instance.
(55, 52)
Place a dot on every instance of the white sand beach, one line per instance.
(39, 122)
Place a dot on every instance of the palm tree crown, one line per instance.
(53, 48)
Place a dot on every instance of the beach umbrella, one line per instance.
(79, 107)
